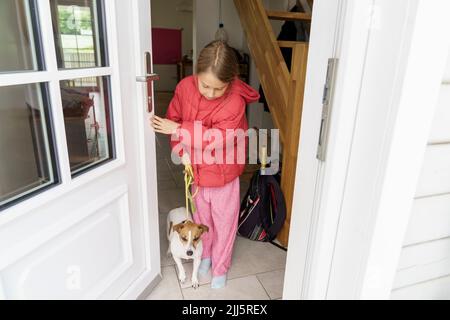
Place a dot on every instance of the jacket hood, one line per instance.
(245, 91)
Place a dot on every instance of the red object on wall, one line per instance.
(166, 45)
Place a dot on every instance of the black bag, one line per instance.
(263, 209)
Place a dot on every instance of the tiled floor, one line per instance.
(257, 270)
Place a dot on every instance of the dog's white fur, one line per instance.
(179, 250)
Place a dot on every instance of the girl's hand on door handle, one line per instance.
(163, 125)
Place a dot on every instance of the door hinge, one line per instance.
(326, 108)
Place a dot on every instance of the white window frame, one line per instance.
(51, 75)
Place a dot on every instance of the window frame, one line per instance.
(52, 76)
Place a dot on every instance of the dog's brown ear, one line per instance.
(178, 227)
(204, 228)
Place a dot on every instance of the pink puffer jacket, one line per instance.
(214, 164)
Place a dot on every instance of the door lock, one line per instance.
(148, 79)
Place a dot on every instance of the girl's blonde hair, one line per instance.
(219, 58)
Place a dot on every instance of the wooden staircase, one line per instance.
(283, 89)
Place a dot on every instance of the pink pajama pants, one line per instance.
(218, 208)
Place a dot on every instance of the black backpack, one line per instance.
(263, 209)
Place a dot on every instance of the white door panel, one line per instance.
(93, 235)
(65, 259)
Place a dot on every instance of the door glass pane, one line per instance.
(79, 33)
(26, 145)
(19, 38)
(88, 123)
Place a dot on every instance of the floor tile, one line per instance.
(164, 174)
(166, 184)
(273, 283)
(161, 139)
(163, 165)
(247, 288)
(168, 288)
(171, 199)
(178, 178)
(252, 257)
(175, 167)
(164, 141)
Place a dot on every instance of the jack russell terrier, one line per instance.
(185, 242)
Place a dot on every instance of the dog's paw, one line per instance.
(182, 278)
(195, 283)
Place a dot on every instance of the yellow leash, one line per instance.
(188, 181)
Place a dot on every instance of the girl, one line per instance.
(214, 98)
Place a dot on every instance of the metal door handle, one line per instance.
(148, 79)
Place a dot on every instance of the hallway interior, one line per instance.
(257, 270)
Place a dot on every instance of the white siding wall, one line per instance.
(424, 268)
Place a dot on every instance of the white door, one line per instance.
(78, 202)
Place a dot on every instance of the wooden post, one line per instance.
(292, 133)
(283, 89)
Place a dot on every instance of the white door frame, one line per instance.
(347, 234)
(138, 13)
(313, 178)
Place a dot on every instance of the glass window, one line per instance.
(88, 123)
(19, 39)
(79, 33)
(27, 162)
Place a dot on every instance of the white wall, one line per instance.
(165, 15)
(424, 268)
(206, 23)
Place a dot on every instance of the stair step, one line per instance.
(288, 16)
(288, 44)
